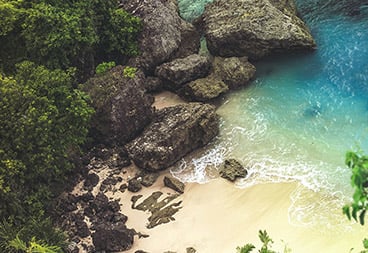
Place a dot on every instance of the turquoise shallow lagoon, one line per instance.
(300, 115)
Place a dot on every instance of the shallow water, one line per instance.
(296, 121)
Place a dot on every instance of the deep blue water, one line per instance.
(296, 121)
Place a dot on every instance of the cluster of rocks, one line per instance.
(235, 31)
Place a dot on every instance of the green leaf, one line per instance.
(346, 211)
(361, 217)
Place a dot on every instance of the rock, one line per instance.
(153, 84)
(91, 180)
(175, 132)
(161, 33)
(67, 203)
(191, 250)
(233, 71)
(112, 237)
(134, 185)
(231, 169)
(123, 187)
(190, 41)
(82, 229)
(122, 107)
(183, 70)
(254, 28)
(174, 184)
(148, 179)
(203, 89)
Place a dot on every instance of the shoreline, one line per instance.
(218, 217)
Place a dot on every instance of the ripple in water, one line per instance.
(299, 117)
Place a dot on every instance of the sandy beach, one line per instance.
(218, 217)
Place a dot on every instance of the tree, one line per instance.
(42, 120)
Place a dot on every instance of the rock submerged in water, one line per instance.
(231, 169)
(254, 28)
(174, 132)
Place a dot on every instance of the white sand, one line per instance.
(217, 217)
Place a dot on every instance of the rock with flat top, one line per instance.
(174, 184)
(174, 132)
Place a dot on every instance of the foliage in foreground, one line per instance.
(359, 180)
(266, 245)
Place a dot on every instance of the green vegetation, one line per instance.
(266, 245)
(63, 34)
(47, 47)
(129, 72)
(102, 68)
(359, 180)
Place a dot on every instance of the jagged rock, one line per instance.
(134, 185)
(161, 33)
(231, 169)
(234, 71)
(122, 107)
(203, 89)
(190, 41)
(254, 28)
(183, 70)
(175, 132)
(86, 197)
(174, 184)
(67, 203)
(112, 237)
(123, 187)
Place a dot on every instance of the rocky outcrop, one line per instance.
(161, 34)
(122, 107)
(174, 132)
(203, 89)
(254, 28)
(231, 169)
(233, 71)
(183, 70)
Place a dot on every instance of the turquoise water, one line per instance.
(296, 121)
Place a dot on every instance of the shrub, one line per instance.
(102, 68)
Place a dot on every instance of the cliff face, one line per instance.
(254, 28)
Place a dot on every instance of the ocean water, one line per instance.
(297, 119)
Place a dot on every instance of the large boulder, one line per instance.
(254, 28)
(183, 70)
(161, 34)
(203, 89)
(231, 169)
(122, 106)
(175, 132)
(233, 71)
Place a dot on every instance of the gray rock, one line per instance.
(174, 184)
(161, 34)
(234, 71)
(110, 237)
(183, 70)
(122, 107)
(203, 89)
(231, 169)
(175, 132)
(148, 178)
(254, 28)
(190, 41)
